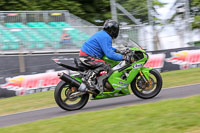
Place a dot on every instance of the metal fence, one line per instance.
(50, 38)
(17, 35)
(42, 16)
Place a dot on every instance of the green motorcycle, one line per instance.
(125, 78)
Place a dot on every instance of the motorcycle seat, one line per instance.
(76, 64)
(68, 65)
(80, 65)
(91, 64)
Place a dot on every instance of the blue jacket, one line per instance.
(100, 44)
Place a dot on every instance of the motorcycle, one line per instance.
(126, 76)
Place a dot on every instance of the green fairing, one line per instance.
(145, 71)
(121, 86)
(125, 77)
(111, 62)
(77, 78)
(137, 49)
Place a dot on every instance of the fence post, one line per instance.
(21, 62)
(24, 18)
(1, 18)
(66, 13)
(45, 17)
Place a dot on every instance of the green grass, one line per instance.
(181, 77)
(171, 116)
(46, 99)
(27, 102)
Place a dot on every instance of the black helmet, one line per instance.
(112, 28)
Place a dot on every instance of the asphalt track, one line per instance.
(24, 117)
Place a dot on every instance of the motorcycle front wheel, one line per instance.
(64, 100)
(147, 90)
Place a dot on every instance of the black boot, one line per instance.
(88, 82)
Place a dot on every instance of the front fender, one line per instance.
(145, 71)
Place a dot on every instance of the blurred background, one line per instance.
(64, 25)
(32, 32)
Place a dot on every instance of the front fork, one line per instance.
(143, 77)
(144, 73)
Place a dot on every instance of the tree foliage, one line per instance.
(95, 9)
(20, 5)
(194, 13)
(90, 10)
(139, 9)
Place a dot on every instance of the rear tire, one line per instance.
(138, 91)
(62, 103)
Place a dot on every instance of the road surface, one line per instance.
(24, 117)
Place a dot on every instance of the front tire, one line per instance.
(62, 97)
(141, 90)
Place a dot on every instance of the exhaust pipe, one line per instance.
(81, 86)
(69, 79)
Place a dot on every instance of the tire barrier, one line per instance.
(40, 72)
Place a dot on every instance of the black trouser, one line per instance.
(97, 66)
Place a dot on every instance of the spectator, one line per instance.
(65, 38)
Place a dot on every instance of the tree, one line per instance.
(95, 10)
(186, 19)
(9, 5)
(20, 5)
(90, 10)
(194, 12)
(139, 9)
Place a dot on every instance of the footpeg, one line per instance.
(76, 94)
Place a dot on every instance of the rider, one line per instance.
(95, 48)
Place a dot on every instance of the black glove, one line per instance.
(129, 57)
(118, 51)
(126, 58)
(123, 52)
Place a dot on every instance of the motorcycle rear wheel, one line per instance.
(62, 97)
(141, 90)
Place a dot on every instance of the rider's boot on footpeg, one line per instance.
(88, 82)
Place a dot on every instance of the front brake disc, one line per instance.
(145, 86)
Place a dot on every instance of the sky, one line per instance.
(164, 11)
(169, 37)
(166, 36)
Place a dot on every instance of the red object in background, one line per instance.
(155, 60)
(185, 58)
(190, 56)
(12, 14)
(27, 82)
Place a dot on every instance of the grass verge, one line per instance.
(171, 116)
(181, 77)
(46, 99)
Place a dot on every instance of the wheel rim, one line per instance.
(66, 93)
(146, 88)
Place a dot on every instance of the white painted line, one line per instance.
(28, 111)
(181, 86)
